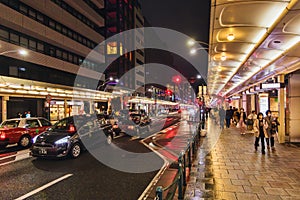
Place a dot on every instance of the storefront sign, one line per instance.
(263, 102)
(272, 85)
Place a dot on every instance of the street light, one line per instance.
(20, 51)
(110, 79)
(192, 43)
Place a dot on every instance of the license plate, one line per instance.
(43, 151)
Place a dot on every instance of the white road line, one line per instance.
(156, 178)
(44, 187)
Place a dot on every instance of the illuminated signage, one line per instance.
(257, 88)
(272, 85)
(235, 97)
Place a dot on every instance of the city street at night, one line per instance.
(149, 100)
(81, 178)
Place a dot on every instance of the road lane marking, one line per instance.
(20, 155)
(157, 177)
(44, 187)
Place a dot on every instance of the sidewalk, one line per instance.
(233, 170)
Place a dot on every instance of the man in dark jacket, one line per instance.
(228, 117)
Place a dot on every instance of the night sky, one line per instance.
(190, 17)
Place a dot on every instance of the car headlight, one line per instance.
(63, 140)
(34, 139)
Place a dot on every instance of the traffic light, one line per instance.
(169, 92)
(176, 79)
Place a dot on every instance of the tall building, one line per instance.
(122, 15)
(57, 36)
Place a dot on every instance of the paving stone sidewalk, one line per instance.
(231, 169)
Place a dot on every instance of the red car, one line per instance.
(21, 130)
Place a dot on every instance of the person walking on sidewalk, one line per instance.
(242, 121)
(260, 132)
(250, 120)
(274, 130)
(268, 120)
(228, 116)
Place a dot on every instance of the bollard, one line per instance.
(184, 171)
(190, 158)
(159, 193)
(180, 188)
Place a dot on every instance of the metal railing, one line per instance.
(185, 160)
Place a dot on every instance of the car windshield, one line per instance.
(10, 124)
(69, 124)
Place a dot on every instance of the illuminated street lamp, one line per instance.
(110, 79)
(192, 43)
(20, 51)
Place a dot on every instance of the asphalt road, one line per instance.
(81, 178)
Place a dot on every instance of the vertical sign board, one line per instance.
(263, 103)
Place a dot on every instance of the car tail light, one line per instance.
(2, 135)
(72, 128)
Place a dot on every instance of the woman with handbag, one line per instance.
(260, 132)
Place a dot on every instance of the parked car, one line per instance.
(21, 130)
(134, 123)
(69, 136)
(112, 120)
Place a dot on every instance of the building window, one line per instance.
(23, 42)
(32, 14)
(112, 48)
(32, 44)
(40, 47)
(14, 38)
(4, 35)
(58, 53)
(45, 20)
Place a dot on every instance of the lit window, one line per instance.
(112, 48)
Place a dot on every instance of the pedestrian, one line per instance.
(24, 115)
(250, 120)
(260, 132)
(235, 116)
(272, 128)
(228, 116)
(268, 120)
(222, 117)
(242, 121)
(28, 114)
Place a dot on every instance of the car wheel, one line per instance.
(24, 141)
(109, 139)
(75, 150)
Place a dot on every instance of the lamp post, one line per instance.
(114, 80)
(6, 97)
(192, 43)
(110, 79)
